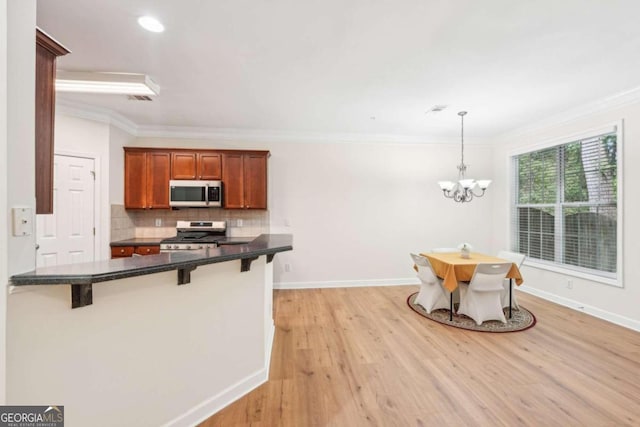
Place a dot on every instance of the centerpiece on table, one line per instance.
(465, 250)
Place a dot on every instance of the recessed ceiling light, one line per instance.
(151, 24)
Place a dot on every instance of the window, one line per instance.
(565, 209)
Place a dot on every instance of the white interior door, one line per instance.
(67, 235)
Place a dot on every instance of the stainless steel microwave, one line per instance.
(195, 193)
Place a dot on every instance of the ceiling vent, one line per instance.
(139, 98)
(436, 109)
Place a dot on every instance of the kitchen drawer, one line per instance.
(147, 250)
(121, 251)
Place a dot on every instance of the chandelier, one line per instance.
(463, 190)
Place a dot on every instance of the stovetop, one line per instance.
(196, 235)
(202, 238)
(193, 236)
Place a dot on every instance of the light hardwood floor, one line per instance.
(360, 357)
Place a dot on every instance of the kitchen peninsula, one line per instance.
(146, 341)
(81, 276)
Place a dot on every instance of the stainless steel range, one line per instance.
(192, 235)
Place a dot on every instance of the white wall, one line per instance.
(613, 303)
(147, 352)
(17, 92)
(117, 139)
(87, 138)
(356, 210)
(3, 193)
(21, 41)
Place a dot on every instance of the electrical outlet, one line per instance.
(287, 268)
(569, 284)
(239, 222)
(158, 222)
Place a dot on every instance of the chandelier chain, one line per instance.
(462, 139)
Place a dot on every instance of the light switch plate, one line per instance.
(22, 221)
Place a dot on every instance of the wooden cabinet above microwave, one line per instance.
(205, 165)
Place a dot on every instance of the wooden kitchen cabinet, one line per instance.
(244, 178)
(146, 179)
(147, 250)
(122, 251)
(128, 251)
(47, 50)
(196, 165)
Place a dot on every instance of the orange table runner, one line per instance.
(451, 267)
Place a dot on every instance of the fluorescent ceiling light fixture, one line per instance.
(151, 24)
(113, 83)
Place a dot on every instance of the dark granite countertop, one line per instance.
(155, 241)
(138, 241)
(100, 271)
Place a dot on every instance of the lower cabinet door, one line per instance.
(128, 251)
(147, 250)
(121, 251)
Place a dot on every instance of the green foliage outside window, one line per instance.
(578, 184)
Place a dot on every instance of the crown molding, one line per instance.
(105, 115)
(621, 99)
(102, 115)
(266, 135)
(108, 116)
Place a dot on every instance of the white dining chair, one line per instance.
(432, 295)
(481, 298)
(444, 250)
(517, 259)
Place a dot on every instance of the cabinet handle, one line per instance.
(121, 251)
(148, 250)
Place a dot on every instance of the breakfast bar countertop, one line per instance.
(101, 271)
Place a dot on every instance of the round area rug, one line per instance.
(521, 319)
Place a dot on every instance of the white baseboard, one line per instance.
(345, 283)
(267, 354)
(578, 306)
(204, 410)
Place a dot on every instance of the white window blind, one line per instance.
(565, 205)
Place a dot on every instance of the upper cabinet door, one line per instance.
(233, 181)
(209, 166)
(158, 167)
(135, 180)
(183, 165)
(255, 181)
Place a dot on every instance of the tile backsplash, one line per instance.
(126, 224)
(122, 225)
